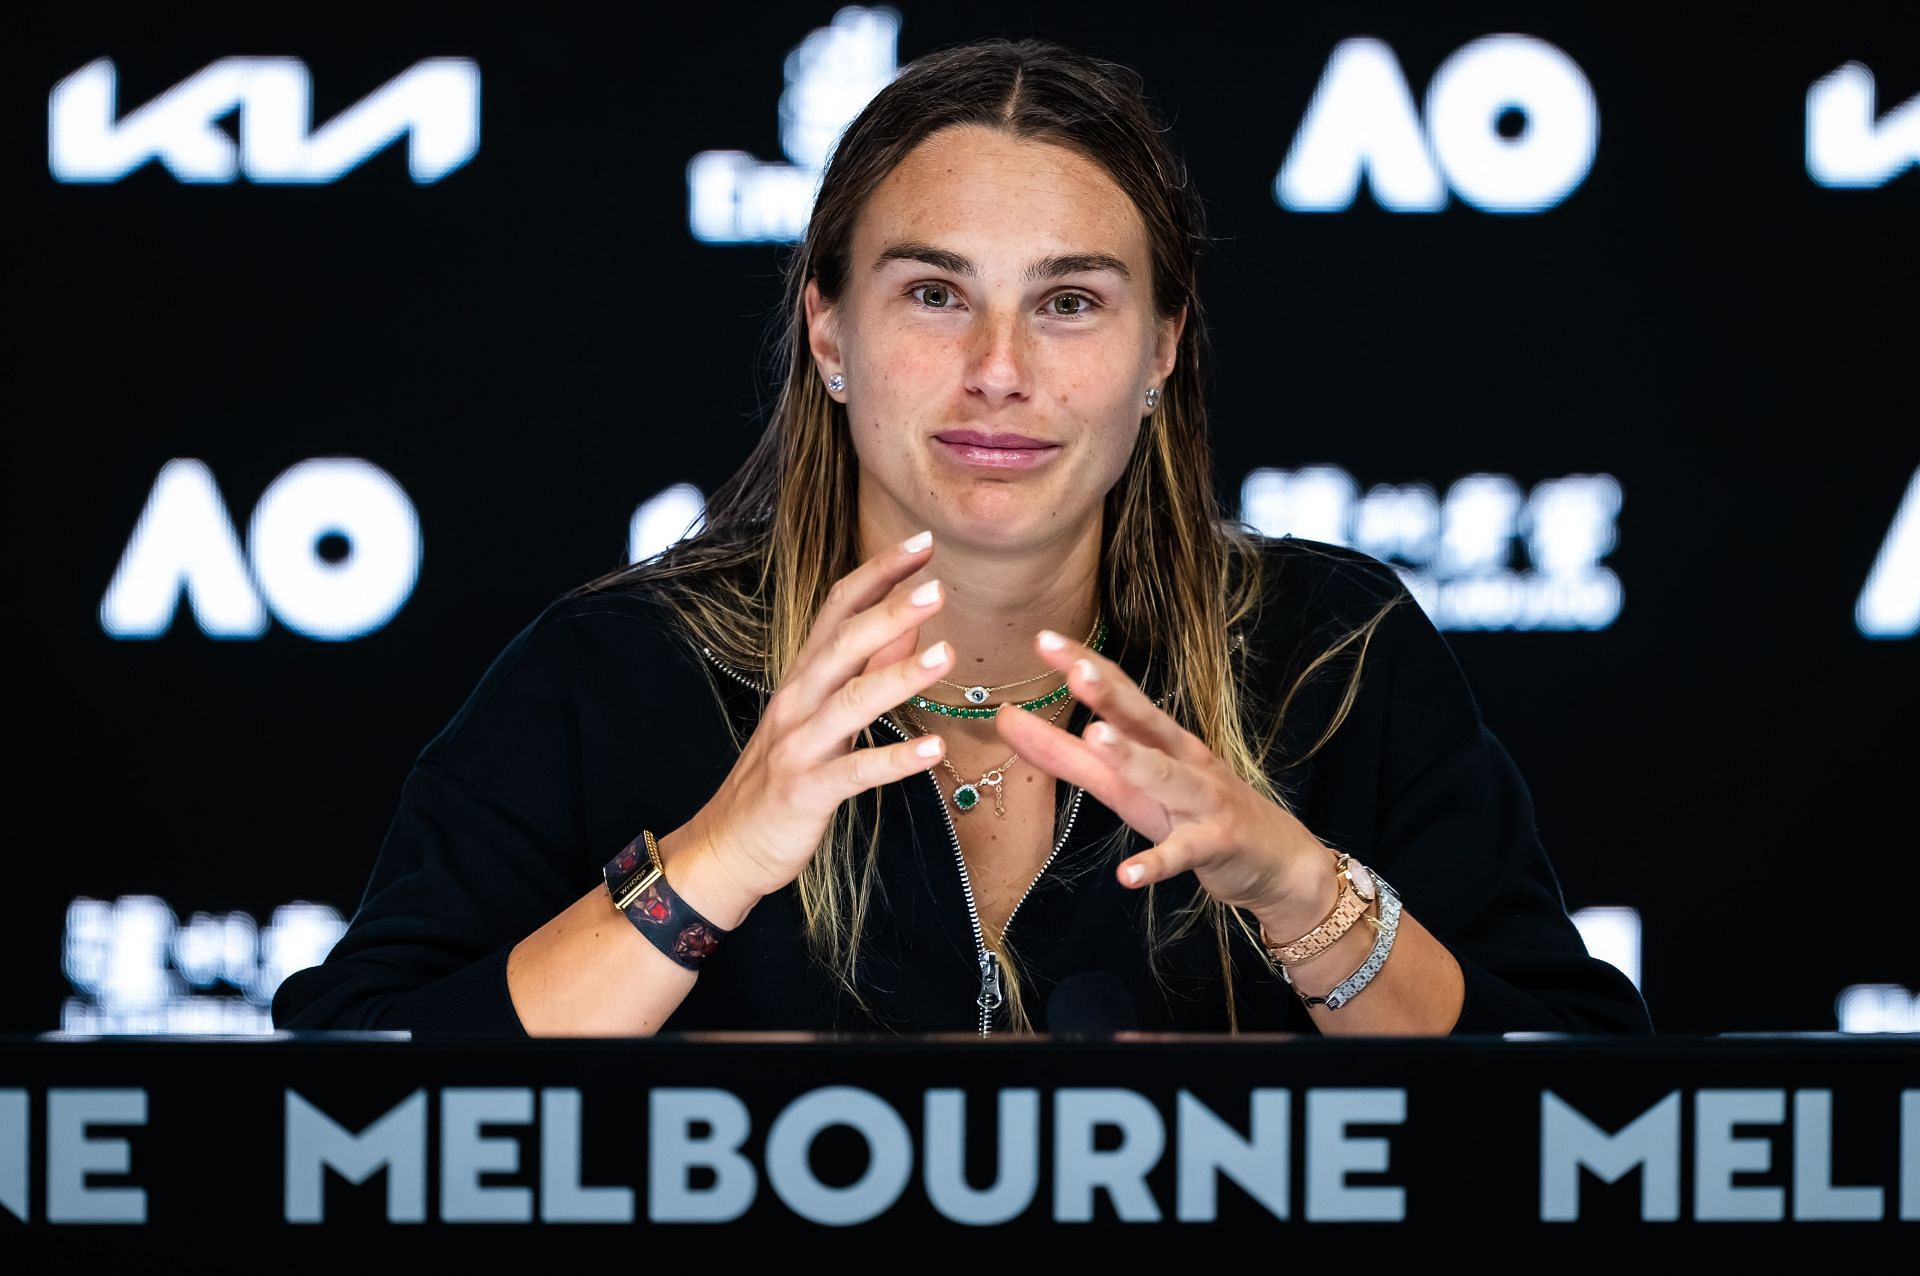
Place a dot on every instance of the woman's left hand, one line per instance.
(1246, 850)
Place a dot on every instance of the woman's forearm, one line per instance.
(1419, 991)
(590, 972)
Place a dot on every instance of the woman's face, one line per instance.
(1002, 287)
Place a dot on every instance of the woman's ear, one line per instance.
(1167, 345)
(822, 338)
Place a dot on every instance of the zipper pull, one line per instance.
(989, 999)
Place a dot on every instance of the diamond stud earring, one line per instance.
(836, 383)
(1153, 397)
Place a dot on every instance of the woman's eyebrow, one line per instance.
(1045, 268)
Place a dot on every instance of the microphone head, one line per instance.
(1092, 1003)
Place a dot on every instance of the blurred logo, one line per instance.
(434, 104)
(1846, 145)
(733, 198)
(1456, 553)
(1510, 125)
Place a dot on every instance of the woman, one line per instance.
(994, 342)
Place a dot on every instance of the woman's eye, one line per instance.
(939, 297)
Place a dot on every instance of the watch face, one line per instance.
(1362, 881)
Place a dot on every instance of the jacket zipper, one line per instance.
(990, 996)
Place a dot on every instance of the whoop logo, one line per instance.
(435, 104)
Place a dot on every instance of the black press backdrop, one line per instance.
(536, 343)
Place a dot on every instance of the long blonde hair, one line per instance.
(775, 536)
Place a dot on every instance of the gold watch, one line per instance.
(1357, 893)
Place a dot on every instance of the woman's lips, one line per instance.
(1001, 439)
(1003, 458)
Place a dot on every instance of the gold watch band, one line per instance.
(636, 886)
(1347, 910)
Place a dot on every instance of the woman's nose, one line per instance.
(1000, 354)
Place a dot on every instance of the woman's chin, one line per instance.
(1009, 527)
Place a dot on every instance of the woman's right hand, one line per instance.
(860, 660)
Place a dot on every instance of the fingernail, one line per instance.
(1086, 669)
(933, 655)
(1050, 641)
(928, 747)
(1134, 872)
(927, 593)
(1101, 732)
(918, 541)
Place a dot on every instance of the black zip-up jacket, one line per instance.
(599, 719)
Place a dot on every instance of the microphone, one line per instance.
(1092, 1003)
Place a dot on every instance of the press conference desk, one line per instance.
(119, 1140)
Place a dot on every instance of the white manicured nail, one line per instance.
(1086, 669)
(933, 655)
(927, 747)
(927, 593)
(918, 541)
(1050, 641)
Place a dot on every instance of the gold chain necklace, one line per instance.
(977, 694)
(967, 796)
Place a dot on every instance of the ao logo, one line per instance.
(186, 541)
(1362, 119)
(435, 104)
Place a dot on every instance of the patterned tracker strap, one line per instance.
(637, 881)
